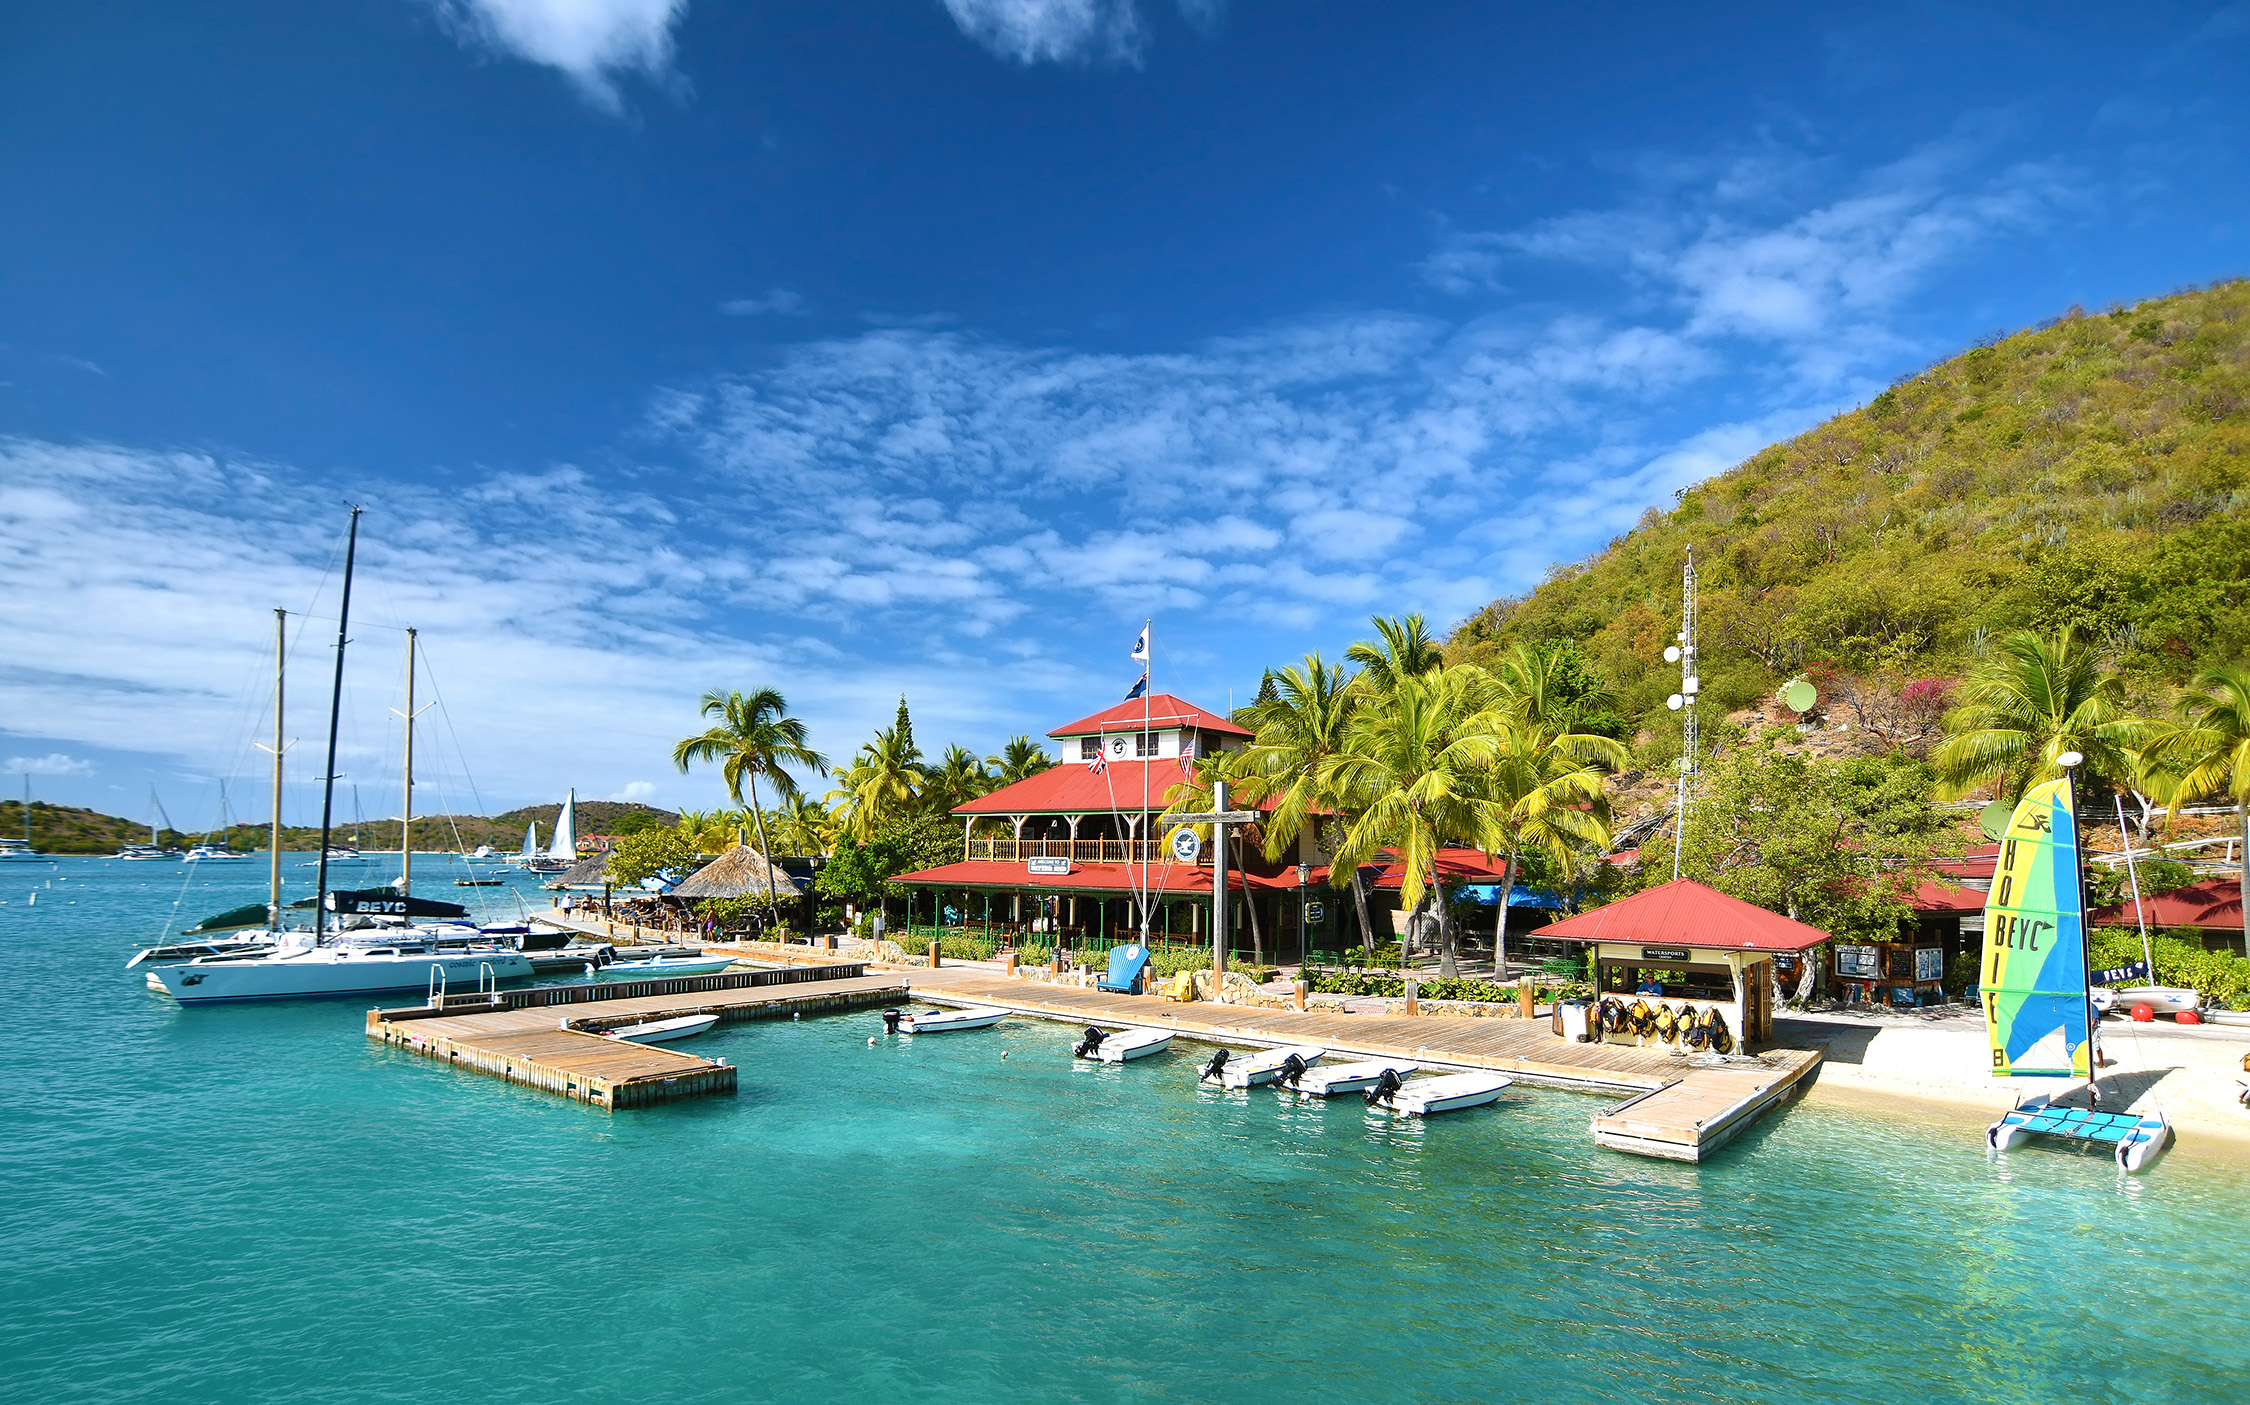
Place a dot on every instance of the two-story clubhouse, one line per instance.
(1079, 843)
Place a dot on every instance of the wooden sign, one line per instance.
(1054, 867)
(1664, 953)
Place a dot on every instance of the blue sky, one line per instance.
(929, 345)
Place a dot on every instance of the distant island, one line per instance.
(67, 829)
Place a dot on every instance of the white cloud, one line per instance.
(1069, 31)
(778, 301)
(54, 763)
(635, 792)
(591, 41)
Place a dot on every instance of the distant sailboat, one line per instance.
(154, 848)
(563, 851)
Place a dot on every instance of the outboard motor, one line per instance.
(1292, 1068)
(1216, 1069)
(1384, 1087)
(1090, 1045)
(890, 1020)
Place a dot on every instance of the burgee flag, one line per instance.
(1140, 645)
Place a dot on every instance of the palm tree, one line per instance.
(1551, 784)
(1415, 773)
(2210, 751)
(883, 780)
(1405, 650)
(2031, 700)
(805, 825)
(956, 779)
(1300, 726)
(1021, 759)
(755, 737)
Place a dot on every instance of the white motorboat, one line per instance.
(940, 1021)
(20, 851)
(661, 1031)
(1230, 1072)
(1449, 1093)
(658, 968)
(213, 853)
(1115, 1047)
(143, 853)
(302, 971)
(1344, 1078)
(2161, 999)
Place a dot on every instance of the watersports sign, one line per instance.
(1664, 953)
(1056, 868)
(2138, 971)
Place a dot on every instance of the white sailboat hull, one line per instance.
(2163, 999)
(323, 971)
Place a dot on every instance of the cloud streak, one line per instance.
(592, 42)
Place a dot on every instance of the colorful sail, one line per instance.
(2034, 985)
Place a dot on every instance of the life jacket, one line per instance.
(1721, 1040)
(1696, 1035)
(1613, 1015)
(1642, 1018)
(1667, 1024)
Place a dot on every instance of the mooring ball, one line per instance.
(870, 1041)
(2188, 1017)
(2144, 1012)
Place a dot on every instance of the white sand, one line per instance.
(2189, 1072)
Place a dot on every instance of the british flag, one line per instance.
(1097, 763)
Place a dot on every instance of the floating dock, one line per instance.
(548, 1037)
(1680, 1110)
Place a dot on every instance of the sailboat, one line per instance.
(563, 851)
(529, 853)
(20, 850)
(2038, 1000)
(133, 851)
(325, 962)
(221, 852)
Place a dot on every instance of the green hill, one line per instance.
(2094, 471)
(64, 829)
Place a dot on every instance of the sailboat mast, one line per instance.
(335, 715)
(280, 667)
(406, 785)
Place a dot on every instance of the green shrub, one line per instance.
(2178, 963)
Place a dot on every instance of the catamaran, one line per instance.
(2038, 1004)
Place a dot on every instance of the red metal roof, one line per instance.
(1155, 712)
(1979, 862)
(1685, 913)
(1069, 788)
(1453, 865)
(1937, 897)
(2215, 903)
(1171, 880)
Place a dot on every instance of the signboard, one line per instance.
(1316, 912)
(1929, 963)
(2138, 971)
(1664, 953)
(1185, 846)
(1055, 867)
(1864, 963)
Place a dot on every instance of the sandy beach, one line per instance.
(1933, 1061)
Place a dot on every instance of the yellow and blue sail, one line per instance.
(2034, 984)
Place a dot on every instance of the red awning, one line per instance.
(1686, 913)
(1942, 898)
(1453, 866)
(2214, 904)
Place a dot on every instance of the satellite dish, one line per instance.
(2069, 759)
(1675, 702)
(1798, 695)
(1994, 819)
(1671, 653)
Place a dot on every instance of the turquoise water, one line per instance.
(255, 1203)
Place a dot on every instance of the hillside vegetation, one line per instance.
(64, 829)
(2093, 472)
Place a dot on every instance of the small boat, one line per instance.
(213, 853)
(144, 853)
(1344, 1078)
(478, 882)
(940, 1021)
(1103, 1046)
(1230, 1072)
(661, 1031)
(20, 851)
(2161, 999)
(658, 968)
(1425, 1096)
(2140, 1137)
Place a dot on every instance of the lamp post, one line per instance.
(1304, 928)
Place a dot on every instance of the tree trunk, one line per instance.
(1366, 928)
(2243, 809)
(1250, 902)
(773, 899)
(1500, 931)
(1448, 966)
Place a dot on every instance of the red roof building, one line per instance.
(1684, 913)
(2213, 906)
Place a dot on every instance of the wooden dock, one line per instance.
(1678, 1110)
(523, 1036)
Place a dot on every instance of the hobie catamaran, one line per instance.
(2038, 1005)
(326, 960)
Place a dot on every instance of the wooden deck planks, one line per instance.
(547, 1047)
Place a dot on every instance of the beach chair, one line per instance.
(1125, 966)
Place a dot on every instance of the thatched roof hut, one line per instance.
(740, 872)
(588, 873)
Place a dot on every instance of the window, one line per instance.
(1144, 744)
(1089, 748)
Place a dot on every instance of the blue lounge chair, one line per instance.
(1125, 966)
